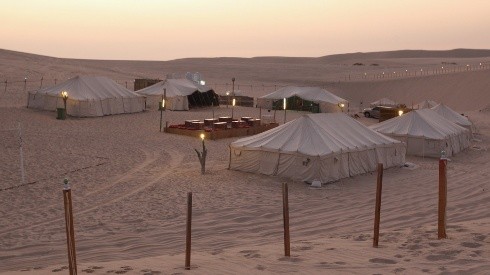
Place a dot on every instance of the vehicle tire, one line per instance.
(366, 114)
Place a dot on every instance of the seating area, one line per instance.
(221, 127)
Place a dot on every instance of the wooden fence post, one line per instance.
(377, 212)
(285, 211)
(188, 232)
(70, 232)
(441, 222)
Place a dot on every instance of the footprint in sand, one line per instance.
(479, 237)
(251, 254)
(444, 255)
(303, 248)
(361, 238)
(260, 267)
(290, 259)
(471, 245)
(382, 261)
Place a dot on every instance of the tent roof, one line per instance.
(316, 135)
(384, 101)
(451, 115)
(314, 94)
(426, 104)
(174, 87)
(419, 123)
(89, 88)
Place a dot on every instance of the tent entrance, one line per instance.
(296, 103)
(206, 99)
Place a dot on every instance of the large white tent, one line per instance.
(452, 116)
(324, 147)
(328, 102)
(426, 133)
(88, 96)
(180, 93)
(383, 102)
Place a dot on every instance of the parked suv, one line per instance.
(372, 112)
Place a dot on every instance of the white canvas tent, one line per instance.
(178, 92)
(328, 102)
(426, 133)
(383, 102)
(426, 104)
(324, 147)
(452, 116)
(88, 96)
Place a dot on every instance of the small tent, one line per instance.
(180, 93)
(324, 147)
(426, 104)
(88, 96)
(452, 116)
(326, 101)
(383, 102)
(426, 133)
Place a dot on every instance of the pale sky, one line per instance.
(171, 29)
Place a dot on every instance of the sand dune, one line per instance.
(130, 184)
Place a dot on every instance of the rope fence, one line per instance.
(32, 84)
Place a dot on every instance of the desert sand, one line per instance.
(129, 181)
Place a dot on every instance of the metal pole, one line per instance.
(21, 152)
(161, 114)
(188, 232)
(285, 211)
(441, 222)
(377, 212)
(70, 232)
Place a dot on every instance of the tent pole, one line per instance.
(229, 160)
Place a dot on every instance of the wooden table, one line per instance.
(238, 123)
(210, 121)
(254, 122)
(220, 125)
(198, 125)
(188, 123)
(225, 119)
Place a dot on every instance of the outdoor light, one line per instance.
(480, 63)
(400, 112)
(202, 82)
(202, 137)
(284, 104)
(227, 93)
(341, 105)
(233, 102)
(163, 103)
(64, 94)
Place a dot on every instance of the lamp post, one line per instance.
(400, 112)
(202, 155)
(341, 105)
(233, 86)
(284, 107)
(227, 98)
(162, 108)
(64, 95)
(232, 107)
